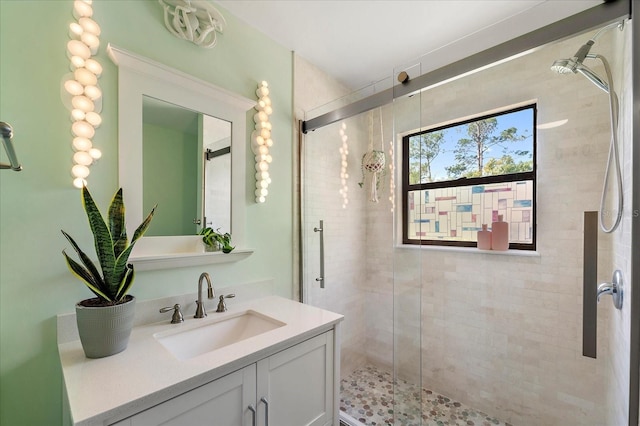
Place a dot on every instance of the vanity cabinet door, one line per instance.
(221, 402)
(297, 384)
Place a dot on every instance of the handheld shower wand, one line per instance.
(576, 65)
(566, 66)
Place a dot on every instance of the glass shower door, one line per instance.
(407, 267)
(501, 333)
(357, 275)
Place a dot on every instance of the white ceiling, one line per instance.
(360, 42)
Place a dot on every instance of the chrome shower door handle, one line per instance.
(320, 279)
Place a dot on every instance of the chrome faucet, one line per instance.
(200, 310)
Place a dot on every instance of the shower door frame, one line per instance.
(634, 338)
(606, 13)
(602, 14)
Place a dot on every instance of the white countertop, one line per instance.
(105, 390)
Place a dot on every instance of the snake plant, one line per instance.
(112, 249)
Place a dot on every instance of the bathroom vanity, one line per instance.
(267, 361)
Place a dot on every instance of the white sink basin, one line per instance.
(200, 339)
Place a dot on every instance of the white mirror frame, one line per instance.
(139, 76)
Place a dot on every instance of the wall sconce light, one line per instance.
(193, 20)
(344, 175)
(392, 178)
(81, 93)
(261, 141)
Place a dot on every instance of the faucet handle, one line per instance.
(222, 307)
(614, 288)
(177, 313)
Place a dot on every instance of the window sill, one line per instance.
(472, 250)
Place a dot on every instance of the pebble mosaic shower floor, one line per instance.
(367, 396)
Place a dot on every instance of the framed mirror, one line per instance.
(186, 169)
(143, 85)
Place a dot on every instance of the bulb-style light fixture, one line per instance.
(73, 87)
(392, 179)
(261, 141)
(81, 92)
(344, 175)
(82, 8)
(76, 48)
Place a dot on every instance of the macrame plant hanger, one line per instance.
(373, 162)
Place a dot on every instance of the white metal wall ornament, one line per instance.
(261, 141)
(196, 21)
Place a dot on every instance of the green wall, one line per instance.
(170, 176)
(36, 203)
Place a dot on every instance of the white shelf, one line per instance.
(179, 260)
(178, 252)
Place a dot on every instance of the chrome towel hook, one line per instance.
(7, 135)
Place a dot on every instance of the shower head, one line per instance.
(575, 65)
(566, 66)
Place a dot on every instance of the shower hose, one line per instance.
(614, 158)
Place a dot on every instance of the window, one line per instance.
(463, 175)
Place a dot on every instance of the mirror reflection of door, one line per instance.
(175, 142)
(217, 173)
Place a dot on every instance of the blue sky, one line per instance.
(522, 120)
